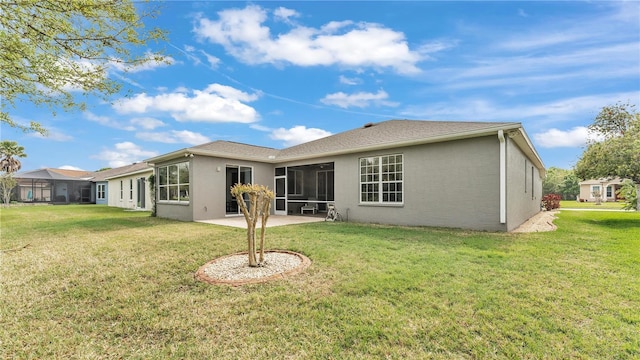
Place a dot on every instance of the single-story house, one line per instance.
(125, 187)
(474, 175)
(604, 188)
(58, 186)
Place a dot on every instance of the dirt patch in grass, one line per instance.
(234, 269)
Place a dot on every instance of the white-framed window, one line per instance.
(595, 191)
(130, 189)
(609, 191)
(294, 182)
(173, 183)
(121, 190)
(102, 191)
(381, 179)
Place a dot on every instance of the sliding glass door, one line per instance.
(236, 174)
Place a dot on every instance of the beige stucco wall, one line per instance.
(450, 184)
(127, 202)
(208, 184)
(524, 186)
(208, 189)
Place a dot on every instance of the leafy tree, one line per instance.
(561, 181)
(618, 155)
(7, 183)
(54, 49)
(551, 183)
(570, 187)
(630, 193)
(259, 207)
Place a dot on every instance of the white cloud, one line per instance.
(216, 103)
(124, 153)
(147, 123)
(212, 60)
(284, 14)
(349, 81)
(72, 82)
(174, 136)
(260, 127)
(52, 134)
(571, 53)
(107, 121)
(436, 46)
(360, 99)
(575, 137)
(298, 135)
(479, 109)
(243, 35)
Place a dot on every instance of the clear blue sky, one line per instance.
(280, 73)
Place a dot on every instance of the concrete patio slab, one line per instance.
(274, 220)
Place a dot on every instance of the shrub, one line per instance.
(551, 201)
(629, 192)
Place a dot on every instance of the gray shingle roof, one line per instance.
(385, 134)
(234, 150)
(123, 170)
(55, 174)
(389, 133)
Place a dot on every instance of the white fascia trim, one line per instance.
(142, 171)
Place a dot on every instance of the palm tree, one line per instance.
(9, 151)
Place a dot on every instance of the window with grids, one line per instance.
(381, 179)
(173, 183)
(102, 191)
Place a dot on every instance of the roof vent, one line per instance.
(367, 125)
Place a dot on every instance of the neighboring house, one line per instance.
(125, 187)
(58, 186)
(475, 175)
(606, 187)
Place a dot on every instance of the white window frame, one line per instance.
(179, 190)
(121, 190)
(102, 191)
(380, 175)
(130, 189)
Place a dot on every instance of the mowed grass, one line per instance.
(99, 282)
(608, 205)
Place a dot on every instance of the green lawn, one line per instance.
(95, 282)
(609, 205)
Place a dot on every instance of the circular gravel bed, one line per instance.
(234, 269)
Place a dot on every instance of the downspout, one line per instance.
(503, 177)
